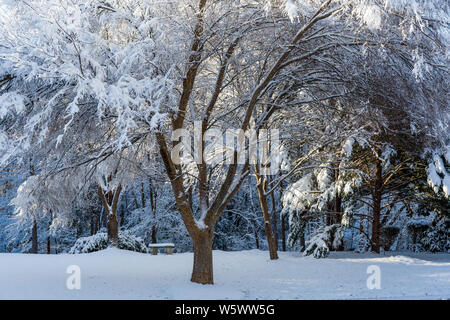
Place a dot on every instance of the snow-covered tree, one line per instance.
(85, 82)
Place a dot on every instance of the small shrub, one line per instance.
(99, 241)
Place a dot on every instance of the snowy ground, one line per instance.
(117, 274)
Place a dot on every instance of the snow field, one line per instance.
(119, 274)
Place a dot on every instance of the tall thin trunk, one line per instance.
(34, 237)
(274, 220)
(203, 258)
(98, 222)
(142, 195)
(329, 216)
(92, 224)
(136, 203)
(153, 196)
(79, 231)
(338, 208)
(377, 194)
(255, 228)
(49, 249)
(261, 182)
(122, 215)
(283, 221)
(283, 233)
(302, 242)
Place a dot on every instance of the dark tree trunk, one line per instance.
(337, 200)
(283, 233)
(203, 259)
(34, 237)
(338, 208)
(255, 228)
(302, 242)
(49, 248)
(154, 238)
(98, 223)
(142, 195)
(329, 215)
(153, 196)
(79, 229)
(136, 203)
(267, 224)
(122, 215)
(92, 222)
(377, 194)
(283, 222)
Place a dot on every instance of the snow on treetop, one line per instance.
(438, 175)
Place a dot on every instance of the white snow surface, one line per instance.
(119, 274)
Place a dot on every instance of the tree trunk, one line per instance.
(110, 201)
(98, 223)
(302, 242)
(142, 195)
(34, 237)
(377, 194)
(49, 248)
(113, 230)
(203, 259)
(92, 222)
(338, 205)
(283, 233)
(274, 220)
(136, 203)
(122, 215)
(256, 234)
(267, 225)
(376, 230)
(153, 196)
(283, 221)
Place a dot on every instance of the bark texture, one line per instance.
(203, 259)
